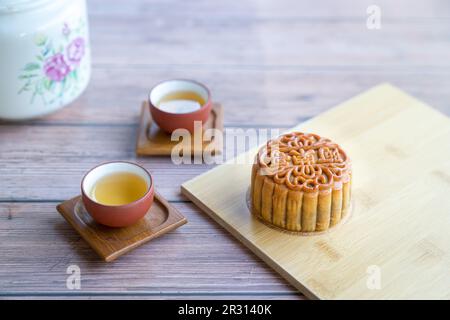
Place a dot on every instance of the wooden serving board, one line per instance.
(396, 245)
(152, 141)
(111, 243)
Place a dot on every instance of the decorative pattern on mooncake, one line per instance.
(301, 182)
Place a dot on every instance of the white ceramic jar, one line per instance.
(44, 56)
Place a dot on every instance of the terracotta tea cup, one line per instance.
(116, 215)
(170, 121)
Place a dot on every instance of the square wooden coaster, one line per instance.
(151, 140)
(396, 244)
(111, 243)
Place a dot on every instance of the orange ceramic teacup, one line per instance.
(178, 103)
(117, 194)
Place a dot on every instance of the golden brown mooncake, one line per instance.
(301, 182)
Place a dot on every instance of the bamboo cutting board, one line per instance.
(396, 245)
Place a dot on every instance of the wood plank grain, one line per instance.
(143, 295)
(257, 33)
(267, 97)
(37, 246)
(47, 162)
(282, 9)
(275, 44)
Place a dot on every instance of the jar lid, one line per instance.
(9, 6)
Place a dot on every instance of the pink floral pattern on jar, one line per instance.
(75, 51)
(56, 68)
(55, 71)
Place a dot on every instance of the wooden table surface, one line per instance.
(272, 64)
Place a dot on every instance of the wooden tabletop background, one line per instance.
(272, 64)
